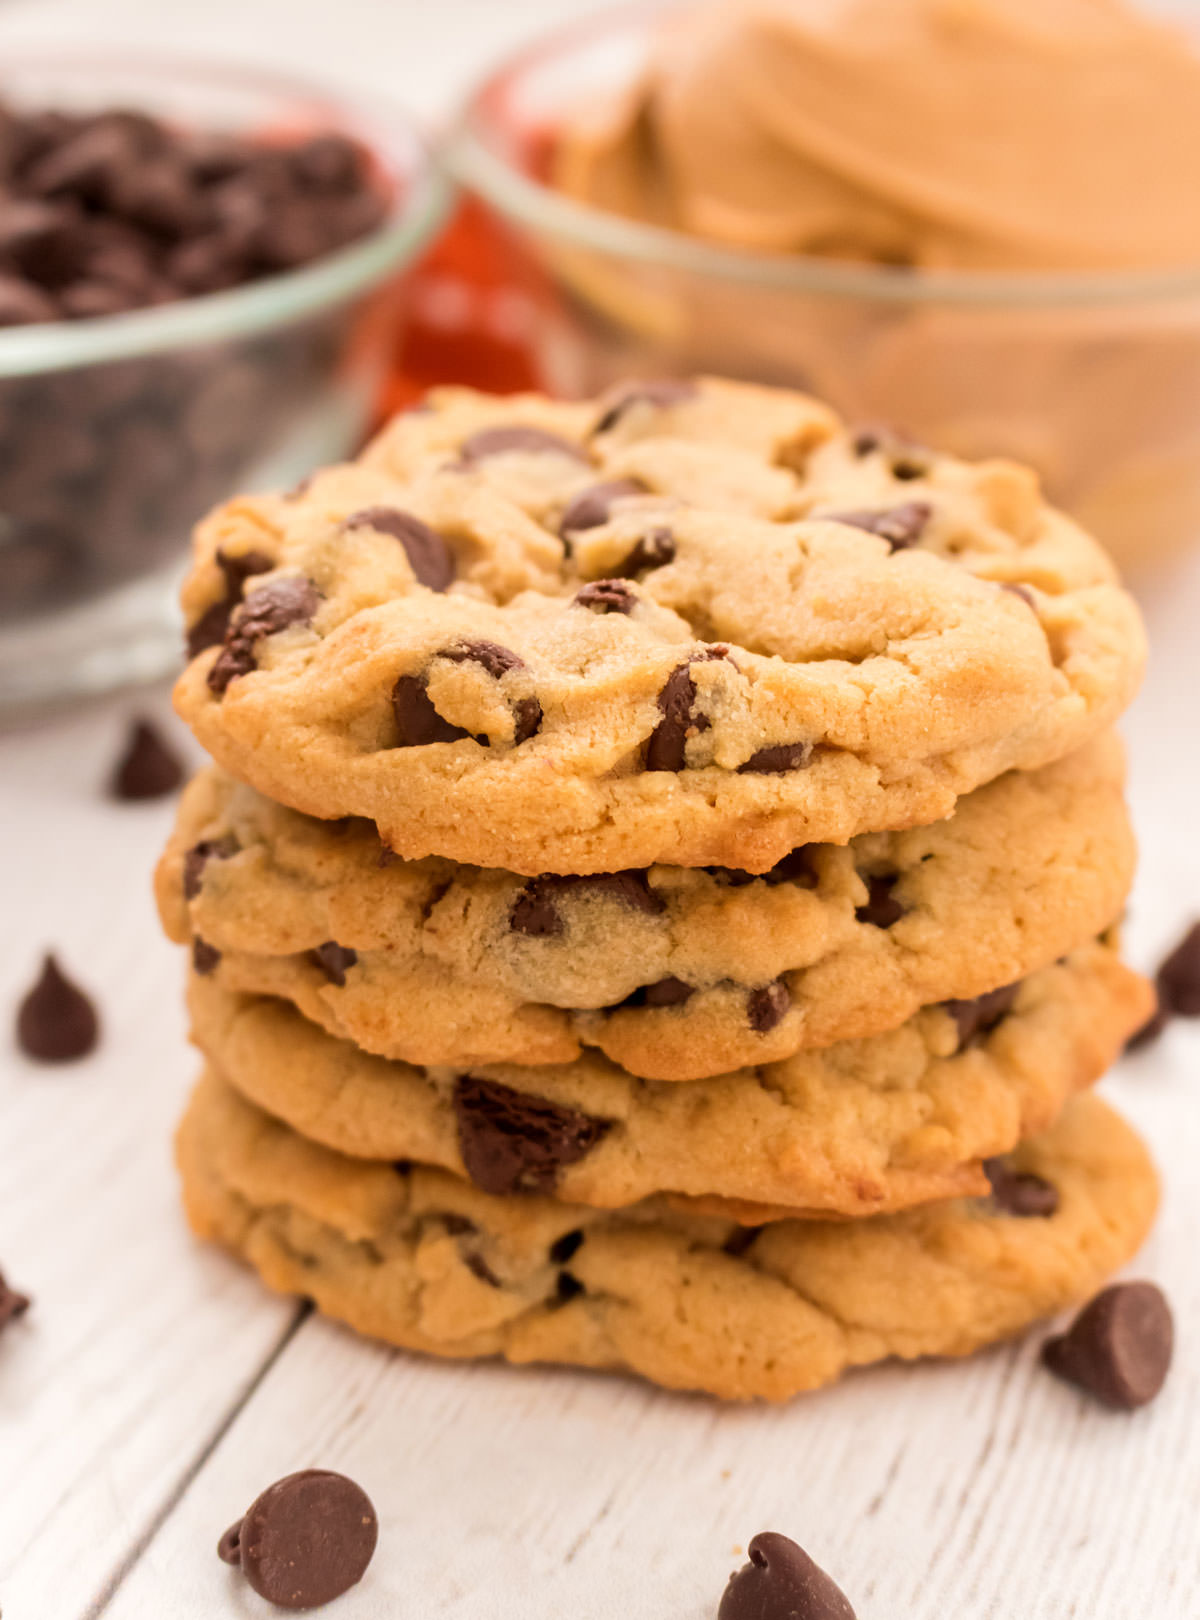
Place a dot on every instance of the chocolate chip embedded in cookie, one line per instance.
(429, 557)
(270, 609)
(514, 1142)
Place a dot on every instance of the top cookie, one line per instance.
(694, 623)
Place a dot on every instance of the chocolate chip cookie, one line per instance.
(674, 973)
(700, 624)
(425, 1260)
(857, 1128)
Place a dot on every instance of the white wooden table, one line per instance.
(154, 1389)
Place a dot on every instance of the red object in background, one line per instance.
(473, 309)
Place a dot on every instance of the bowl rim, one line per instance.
(517, 196)
(274, 301)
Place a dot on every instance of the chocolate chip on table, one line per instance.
(56, 1021)
(607, 596)
(980, 1015)
(1178, 979)
(781, 1582)
(198, 857)
(666, 750)
(654, 550)
(901, 526)
(593, 506)
(209, 629)
(12, 1304)
(333, 960)
(767, 1006)
(429, 557)
(205, 957)
(305, 1541)
(1020, 1192)
(534, 911)
(148, 768)
(512, 1142)
(272, 608)
(1119, 1348)
(659, 393)
(502, 441)
(777, 759)
(882, 909)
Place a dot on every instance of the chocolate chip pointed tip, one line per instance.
(148, 767)
(781, 1582)
(12, 1303)
(305, 1541)
(56, 1020)
(1178, 979)
(1119, 1348)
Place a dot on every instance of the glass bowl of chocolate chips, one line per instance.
(201, 284)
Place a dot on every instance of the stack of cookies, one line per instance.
(654, 904)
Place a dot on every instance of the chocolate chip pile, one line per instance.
(553, 1110)
(103, 468)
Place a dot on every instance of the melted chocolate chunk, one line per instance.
(209, 629)
(593, 506)
(429, 557)
(901, 526)
(669, 992)
(882, 909)
(198, 857)
(653, 550)
(781, 1582)
(502, 441)
(205, 957)
(1020, 1193)
(333, 960)
(56, 1021)
(1119, 1348)
(607, 596)
(417, 721)
(777, 760)
(147, 769)
(497, 660)
(305, 1541)
(534, 911)
(512, 1142)
(979, 1016)
(656, 392)
(272, 608)
(666, 750)
(767, 1006)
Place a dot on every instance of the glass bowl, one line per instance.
(1094, 379)
(117, 433)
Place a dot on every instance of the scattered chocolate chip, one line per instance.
(534, 910)
(980, 1015)
(266, 612)
(654, 550)
(669, 992)
(147, 769)
(501, 441)
(607, 596)
(659, 393)
(1119, 1348)
(900, 526)
(198, 857)
(781, 1582)
(209, 629)
(768, 1006)
(56, 1021)
(512, 1142)
(1150, 1030)
(497, 661)
(882, 909)
(593, 506)
(333, 960)
(429, 557)
(417, 721)
(566, 1247)
(567, 1287)
(778, 759)
(1020, 1192)
(305, 1541)
(12, 1304)
(204, 956)
(666, 750)
(1178, 979)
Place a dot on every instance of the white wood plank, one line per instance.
(137, 1347)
